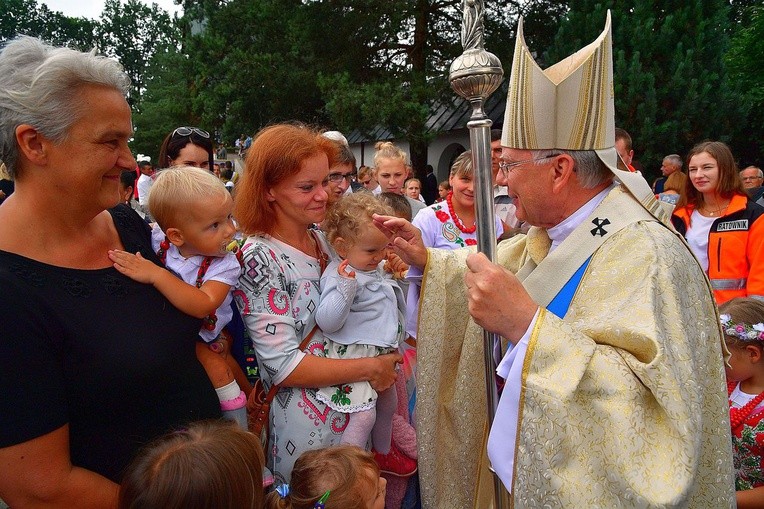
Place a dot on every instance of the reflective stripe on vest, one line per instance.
(728, 284)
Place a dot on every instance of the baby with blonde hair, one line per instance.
(361, 315)
(194, 228)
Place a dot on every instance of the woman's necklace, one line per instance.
(312, 245)
(714, 212)
(739, 415)
(456, 219)
(306, 246)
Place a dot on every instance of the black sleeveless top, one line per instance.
(92, 348)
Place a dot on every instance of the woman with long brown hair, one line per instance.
(721, 225)
(279, 198)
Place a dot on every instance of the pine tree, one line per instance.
(671, 88)
(744, 61)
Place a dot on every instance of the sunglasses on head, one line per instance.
(188, 131)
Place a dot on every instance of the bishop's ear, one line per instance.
(563, 167)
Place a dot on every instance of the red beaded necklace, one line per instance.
(456, 219)
(739, 415)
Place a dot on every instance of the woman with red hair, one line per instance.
(278, 200)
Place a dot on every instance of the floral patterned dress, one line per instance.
(277, 296)
(748, 447)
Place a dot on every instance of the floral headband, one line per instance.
(742, 331)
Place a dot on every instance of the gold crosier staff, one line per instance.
(474, 75)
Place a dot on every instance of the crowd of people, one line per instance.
(624, 310)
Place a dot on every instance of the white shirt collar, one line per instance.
(560, 232)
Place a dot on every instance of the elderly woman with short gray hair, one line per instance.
(92, 364)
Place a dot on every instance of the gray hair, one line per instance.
(758, 170)
(38, 86)
(674, 159)
(590, 170)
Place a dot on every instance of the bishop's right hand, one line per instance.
(405, 239)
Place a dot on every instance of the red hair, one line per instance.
(277, 152)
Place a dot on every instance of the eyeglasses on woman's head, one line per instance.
(188, 131)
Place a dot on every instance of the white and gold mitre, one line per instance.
(567, 106)
(570, 106)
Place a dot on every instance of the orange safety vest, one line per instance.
(735, 254)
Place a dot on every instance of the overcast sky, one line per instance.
(92, 8)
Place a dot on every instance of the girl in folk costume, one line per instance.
(193, 231)
(449, 224)
(361, 315)
(743, 325)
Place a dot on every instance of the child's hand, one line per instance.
(394, 265)
(134, 266)
(342, 270)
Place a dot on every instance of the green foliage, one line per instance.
(393, 69)
(396, 68)
(166, 103)
(249, 68)
(741, 11)
(133, 32)
(234, 66)
(390, 74)
(25, 17)
(744, 61)
(670, 88)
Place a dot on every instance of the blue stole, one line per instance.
(561, 302)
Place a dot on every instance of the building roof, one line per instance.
(445, 116)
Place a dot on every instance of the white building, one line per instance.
(449, 124)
